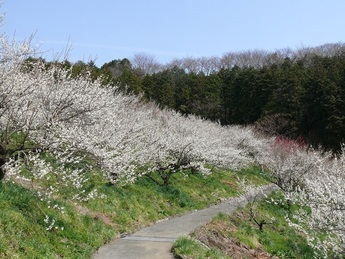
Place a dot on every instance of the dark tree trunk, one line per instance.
(2, 173)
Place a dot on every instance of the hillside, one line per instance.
(275, 91)
(71, 145)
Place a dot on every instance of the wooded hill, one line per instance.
(298, 94)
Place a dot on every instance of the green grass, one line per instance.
(277, 238)
(186, 247)
(145, 202)
(24, 222)
(24, 234)
(26, 218)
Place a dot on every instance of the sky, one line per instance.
(104, 30)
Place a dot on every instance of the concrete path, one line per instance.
(156, 241)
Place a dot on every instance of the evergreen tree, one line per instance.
(323, 122)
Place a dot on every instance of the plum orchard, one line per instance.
(46, 113)
(46, 110)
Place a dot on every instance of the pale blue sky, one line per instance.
(114, 29)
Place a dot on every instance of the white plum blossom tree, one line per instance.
(323, 194)
(315, 182)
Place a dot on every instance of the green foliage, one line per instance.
(123, 76)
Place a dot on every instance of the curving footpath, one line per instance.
(156, 241)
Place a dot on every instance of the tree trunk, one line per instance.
(2, 173)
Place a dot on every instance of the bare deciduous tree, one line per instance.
(145, 64)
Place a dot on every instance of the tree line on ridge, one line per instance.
(297, 94)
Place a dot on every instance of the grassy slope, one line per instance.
(237, 236)
(23, 223)
(23, 228)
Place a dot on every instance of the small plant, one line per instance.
(252, 211)
(191, 248)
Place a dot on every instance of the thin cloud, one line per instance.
(115, 47)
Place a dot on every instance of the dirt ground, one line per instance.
(215, 235)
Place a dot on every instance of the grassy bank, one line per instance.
(32, 228)
(35, 226)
